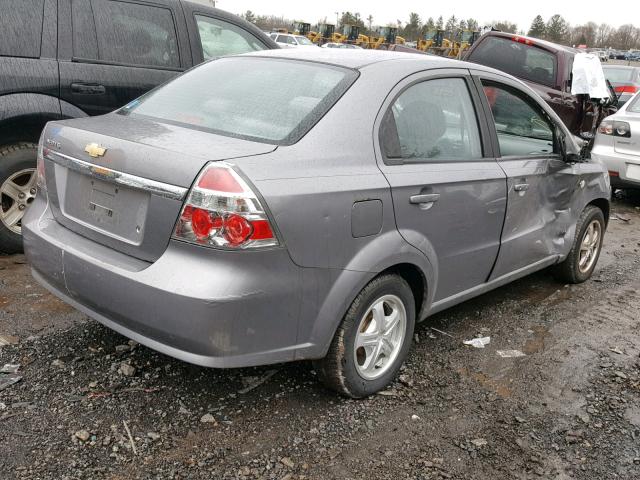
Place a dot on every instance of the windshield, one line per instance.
(303, 40)
(618, 75)
(268, 100)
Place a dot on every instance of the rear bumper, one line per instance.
(617, 162)
(202, 306)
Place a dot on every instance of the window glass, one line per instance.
(523, 129)
(220, 38)
(524, 61)
(269, 100)
(303, 40)
(84, 30)
(21, 27)
(431, 121)
(135, 34)
(618, 75)
(634, 106)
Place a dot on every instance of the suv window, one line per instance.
(522, 126)
(524, 61)
(432, 121)
(219, 38)
(135, 34)
(21, 28)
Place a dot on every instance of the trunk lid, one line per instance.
(128, 197)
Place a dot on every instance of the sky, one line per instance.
(389, 11)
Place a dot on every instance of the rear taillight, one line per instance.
(222, 211)
(626, 89)
(615, 128)
(41, 182)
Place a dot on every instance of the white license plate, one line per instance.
(633, 172)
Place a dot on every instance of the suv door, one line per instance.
(113, 51)
(540, 183)
(214, 33)
(449, 194)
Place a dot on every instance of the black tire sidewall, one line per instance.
(390, 285)
(593, 213)
(14, 158)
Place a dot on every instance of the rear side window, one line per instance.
(522, 126)
(219, 38)
(521, 60)
(21, 27)
(634, 106)
(135, 34)
(268, 100)
(432, 121)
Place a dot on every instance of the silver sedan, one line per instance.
(617, 145)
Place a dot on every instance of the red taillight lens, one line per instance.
(615, 128)
(222, 211)
(613, 174)
(626, 89)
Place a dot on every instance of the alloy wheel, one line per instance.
(380, 337)
(590, 246)
(16, 194)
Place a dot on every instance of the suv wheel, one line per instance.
(372, 341)
(17, 191)
(587, 244)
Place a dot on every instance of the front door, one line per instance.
(540, 183)
(449, 193)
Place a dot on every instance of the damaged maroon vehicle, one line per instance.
(547, 68)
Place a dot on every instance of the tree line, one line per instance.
(556, 29)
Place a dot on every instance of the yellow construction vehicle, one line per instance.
(351, 33)
(436, 42)
(464, 39)
(303, 29)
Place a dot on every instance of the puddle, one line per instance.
(537, 342)
(497, 386)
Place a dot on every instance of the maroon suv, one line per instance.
(546, 67)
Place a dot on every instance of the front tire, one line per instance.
(587, 245)
(372, 341)
(17, 191)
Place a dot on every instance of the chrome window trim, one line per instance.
(153, 187)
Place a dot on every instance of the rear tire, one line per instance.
(17, 168)
(369, 347)
(587, 245)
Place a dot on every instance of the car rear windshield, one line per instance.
(634, 106)
(524, 61)
(618, 75)
(268, 100)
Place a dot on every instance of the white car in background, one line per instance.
(288, 40)
(617, 145)
(341, 45)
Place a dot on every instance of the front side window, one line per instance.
(219, 38)
(522, 126)
(519, 59)
(135, 34)
(432, 121)
(268, 100)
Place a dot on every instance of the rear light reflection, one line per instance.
(613, 174)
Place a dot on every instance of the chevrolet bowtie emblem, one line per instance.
(95, 150)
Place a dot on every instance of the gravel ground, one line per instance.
(91, 404)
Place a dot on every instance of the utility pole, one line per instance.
(337, 20)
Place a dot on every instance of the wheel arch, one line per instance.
(604, 205)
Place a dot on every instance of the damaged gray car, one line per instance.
(289, 205)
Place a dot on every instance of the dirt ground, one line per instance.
(91, 405)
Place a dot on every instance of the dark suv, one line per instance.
(547, 68)
(73, 58)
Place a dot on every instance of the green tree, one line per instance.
(429, 25)
(452, 24)
(505, 26)
(413, 27)
(249, 16)
(558, 29)
(439, 23)
(349, 18)
(472, 24)
(538, 27)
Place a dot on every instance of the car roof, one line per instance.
(536, 41)
(357, 59)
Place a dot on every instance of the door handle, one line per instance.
(521, 187)
(88, 88)
(425, 201)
